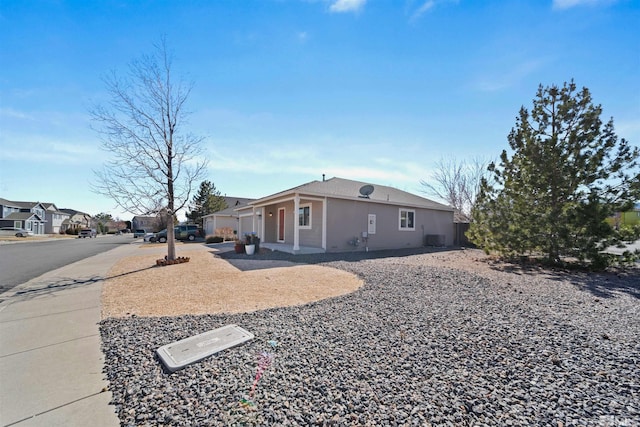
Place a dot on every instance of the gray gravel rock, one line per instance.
(415, 346)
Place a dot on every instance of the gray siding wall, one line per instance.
(246, 226)
(270, 225)
(312, 237)
(347, 219)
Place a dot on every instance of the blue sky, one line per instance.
(286, 90)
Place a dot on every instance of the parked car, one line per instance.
(87, 232)
(182, 232)
(160, 236)
(139, 233)
(15, 231)
(187, 232)
(148, 237)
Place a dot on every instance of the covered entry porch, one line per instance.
(293, 224)
(283, 247)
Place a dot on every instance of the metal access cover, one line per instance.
(181, 353)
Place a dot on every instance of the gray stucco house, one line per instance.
(340, 215)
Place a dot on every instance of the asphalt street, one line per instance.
(25, 260)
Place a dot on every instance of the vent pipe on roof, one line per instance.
(322, 177)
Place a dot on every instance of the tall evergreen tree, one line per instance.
(207, 201)
(102, 219)
(566, 173)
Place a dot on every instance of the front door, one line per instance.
(281, 225)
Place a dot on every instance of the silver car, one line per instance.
(15, 231)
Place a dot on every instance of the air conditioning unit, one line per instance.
(434, 240)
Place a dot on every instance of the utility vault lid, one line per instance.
(181, 353)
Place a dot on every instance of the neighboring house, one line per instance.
(55, 219)
(27, 215)
(115, 225)
(631, 217)
(226, 218)
(461, 224)
(76, 220)
(147, 223)
(339, 215)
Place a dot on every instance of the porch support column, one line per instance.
(296, 223)
(262, 219)
(253, 219)
(324, 224)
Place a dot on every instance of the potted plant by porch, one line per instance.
(250, 249)
(239, 247)
(252, 243)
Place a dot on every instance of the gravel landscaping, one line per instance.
(416, 345)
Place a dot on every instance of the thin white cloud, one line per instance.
(510, 77)
(313, 161)
(628, 129)
(43, 147)
(567, 4)
(426, 6)
(302, 37)
(15, 114)
(342, 6)
(429, 5)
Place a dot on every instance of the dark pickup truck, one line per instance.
(87, 232)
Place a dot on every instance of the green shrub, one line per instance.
(214, 239)
(629, 233)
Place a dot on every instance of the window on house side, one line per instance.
(304, 216)
(407, 217)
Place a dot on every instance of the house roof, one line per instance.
(19, 204)
(73, 212)
(21, 216)
(29, 204)
(233, 204)
(49, 205)
(460, 217)
(137, 217)
(347, 189)
(5, 202)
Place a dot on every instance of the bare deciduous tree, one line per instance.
(154, 162)
(456, 182)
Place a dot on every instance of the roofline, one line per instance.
(290, 195)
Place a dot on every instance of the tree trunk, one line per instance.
(171, 242)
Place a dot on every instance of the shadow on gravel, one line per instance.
(250, 264)
(600, 285)
(603, 285)
(268, 255)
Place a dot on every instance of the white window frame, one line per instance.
(301, 208)
(413, 223)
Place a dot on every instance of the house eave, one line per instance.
(290, 195)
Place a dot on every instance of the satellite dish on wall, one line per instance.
(365, 191)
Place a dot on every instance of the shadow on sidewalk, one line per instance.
(63, 283)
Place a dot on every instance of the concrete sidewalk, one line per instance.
(50, 357)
